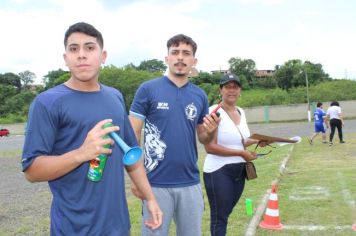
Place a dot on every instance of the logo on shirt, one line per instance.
(191, 111)
(163, 105)
(154, 147)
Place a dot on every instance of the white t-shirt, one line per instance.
(334, 112)
(228, 136)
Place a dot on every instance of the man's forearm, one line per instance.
(138, 176)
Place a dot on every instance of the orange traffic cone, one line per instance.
(354, 227)
(271, 217)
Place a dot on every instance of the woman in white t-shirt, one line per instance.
(334, 114)
(224, 167)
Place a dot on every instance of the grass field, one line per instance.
(316, 193)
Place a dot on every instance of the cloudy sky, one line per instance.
(270, 32)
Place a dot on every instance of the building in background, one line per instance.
(264, 73)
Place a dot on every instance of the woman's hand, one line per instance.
(263, 143)
(248, 155)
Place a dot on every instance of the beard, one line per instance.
(178, 72)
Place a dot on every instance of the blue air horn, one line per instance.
(132, 154)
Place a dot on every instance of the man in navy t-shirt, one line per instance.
(173, 111)
(319, 122)
(64, 132)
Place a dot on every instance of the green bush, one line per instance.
(13, 118)
(336, 90)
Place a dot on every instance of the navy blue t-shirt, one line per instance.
(171, 115)
(59, 120)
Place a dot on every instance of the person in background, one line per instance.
(174, 112)
(319, 121)
(335, 120)
(224, 166)
(64, 132)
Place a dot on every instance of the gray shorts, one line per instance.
(185, 205)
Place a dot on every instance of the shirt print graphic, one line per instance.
(191, 111)
(154, 147)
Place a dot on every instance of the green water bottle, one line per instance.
(96, 166)
(249, 209)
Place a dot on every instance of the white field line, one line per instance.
(310, 193)
(316, 227)
(346, 194)
(252, 226)
(322, 192)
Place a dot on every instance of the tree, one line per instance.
(126, 79)
(129, 66)
(153, 65)
(243, 67)
(266, 82)
(293, 74)
(205, 77)
(290, 74)
(315, 73)
(212, 90)
(52, 76)
(11, 79)
(18, 104)
(27, 78)
(61, 79)
(6, 93)
(244, 82)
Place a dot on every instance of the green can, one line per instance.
(96, 166)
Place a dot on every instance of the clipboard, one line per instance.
(271, 139)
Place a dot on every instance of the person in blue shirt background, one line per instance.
(319, 123)
(174, 112)
(64, 132)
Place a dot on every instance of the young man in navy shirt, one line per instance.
(173, 112)
(64, 133)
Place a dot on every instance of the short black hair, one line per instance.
(319, 104)
(85, 28)
(181, 38)
(334, 103)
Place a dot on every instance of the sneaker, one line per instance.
(324, 142)
(331, 143)
(342, 141)
(310, 141)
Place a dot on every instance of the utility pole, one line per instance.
(345, 73)
(307, 83)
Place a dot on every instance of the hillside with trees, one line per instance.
(287, 85)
